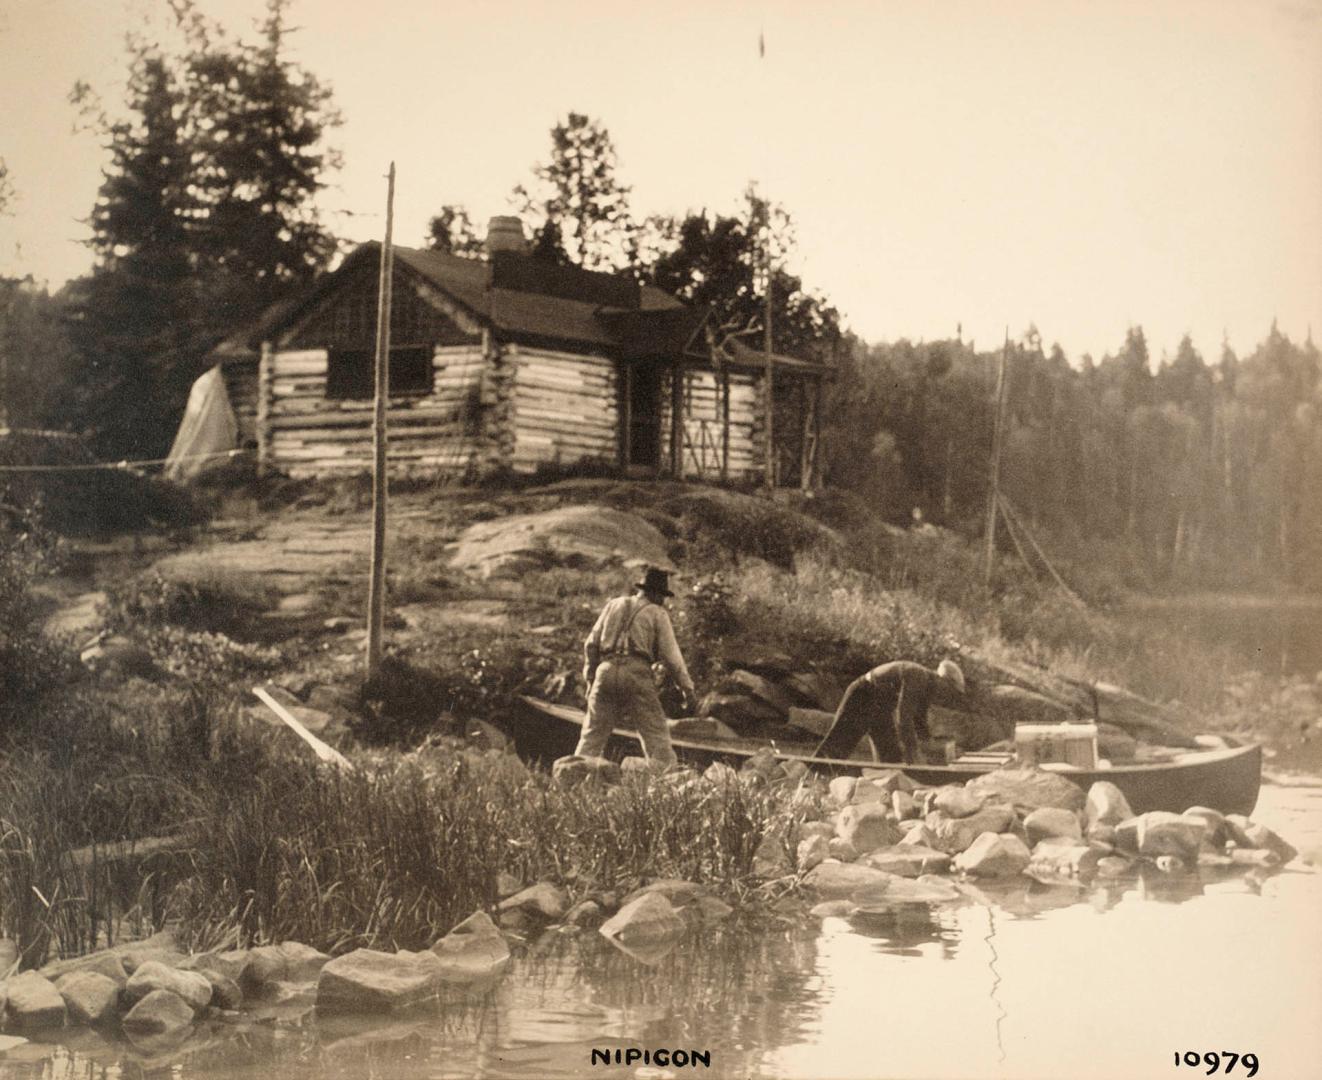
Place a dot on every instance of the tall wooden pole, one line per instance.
(770, 367)
(376, 595)
(993, 495)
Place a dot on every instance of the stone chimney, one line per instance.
(505, 233)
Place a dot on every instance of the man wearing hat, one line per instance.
(631, 634)
(889, 704)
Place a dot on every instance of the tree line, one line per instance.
(207, 215)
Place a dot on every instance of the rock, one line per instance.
(1055, 859)
(741, 712)
(954, 835)
(543, 900)
(475, 949)
(1102, 834)
(486, 736)
(909, 860)
(34, 1002)
(159, 1013)
(816, 722)
(517, 922)
(763, 689)
(904, 806)
(957, 802)
(290, 961)
(226, 994)
(841, 849)
(719, 773)
(11, 1042)
(877, 785)
(369, 981)
(1161, 833)
(1106, 805)
(994, 855)
(1112, 866)
(841, 789)
(1259, 857)
(232, 964)
(927, 889)
(584, 914)
(763, 762)
(806, 829)
(150, 952)
(812, 851)
(1048, 821)
(771, 859)
(1214, 820)
(841, 879)
(106, 962)
(914, 831)
(507, 885)
(832, 909)
(190, 986)
(1028, 787)
(792, 772)
(1170, 864)
(649, 919)
(8, 955)
(89, 997)
(867, 826)
(701, 727)
(1246, 833)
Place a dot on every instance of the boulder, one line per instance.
(810, 852)
(956, 801)
(867, 826)
(841, 879)
(34, 1002)
(904, 806)
(543, 900)
(584, 914)
(764, 690)
(1259, 857)
(877, 785)
(190, 986)
(1246, 833)
(819, 689)
(226, 994)
(1049, 821)
(369, 981)
(106, 962)
(1171, 864)
(771, 860)
(1159, 832)
(1112, 866)
(814, 722)
(507, 884)
(927, 889)
(1213, 819)
(1102, 834)
(742, 712)
(159, 1013)
(832, 909)
(1028, 787)
(290, 961)
(841, 849)
(150, 951)
(994, 855)
(475, 949)
(232, 964)
(1055, 859)
(89, 997)
(909, 860)
(806, 829)
(1106, 805)
(650, 919)
(841, 789)
(954, 835)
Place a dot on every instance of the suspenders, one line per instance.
(620, 647)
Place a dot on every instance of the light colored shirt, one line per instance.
(634, 625)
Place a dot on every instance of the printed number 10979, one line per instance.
(1215, 1061)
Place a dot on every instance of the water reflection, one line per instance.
(1023, 978)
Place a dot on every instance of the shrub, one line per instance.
(210, 602)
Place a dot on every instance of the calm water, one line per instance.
(1035, 982)
(1264, 634)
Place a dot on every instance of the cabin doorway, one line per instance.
(643, 416)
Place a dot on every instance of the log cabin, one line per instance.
(511, 363)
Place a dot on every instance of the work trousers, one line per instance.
(624, 695)
(878, 710)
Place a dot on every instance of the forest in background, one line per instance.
(1182, 470)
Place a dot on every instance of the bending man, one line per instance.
(631, 634)
(889, 704)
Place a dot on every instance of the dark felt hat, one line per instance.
(656, 581)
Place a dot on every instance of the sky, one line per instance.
(1079, 166)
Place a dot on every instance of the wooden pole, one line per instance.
(770, 368)
(997, 434)
(376, 595)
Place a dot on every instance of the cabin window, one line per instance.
(349, 373)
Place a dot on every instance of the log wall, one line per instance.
(704, 443)
(565, 407)
(308, 435)
(240, 376)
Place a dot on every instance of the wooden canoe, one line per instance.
(1224, 779)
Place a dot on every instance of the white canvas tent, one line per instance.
(208, 428)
